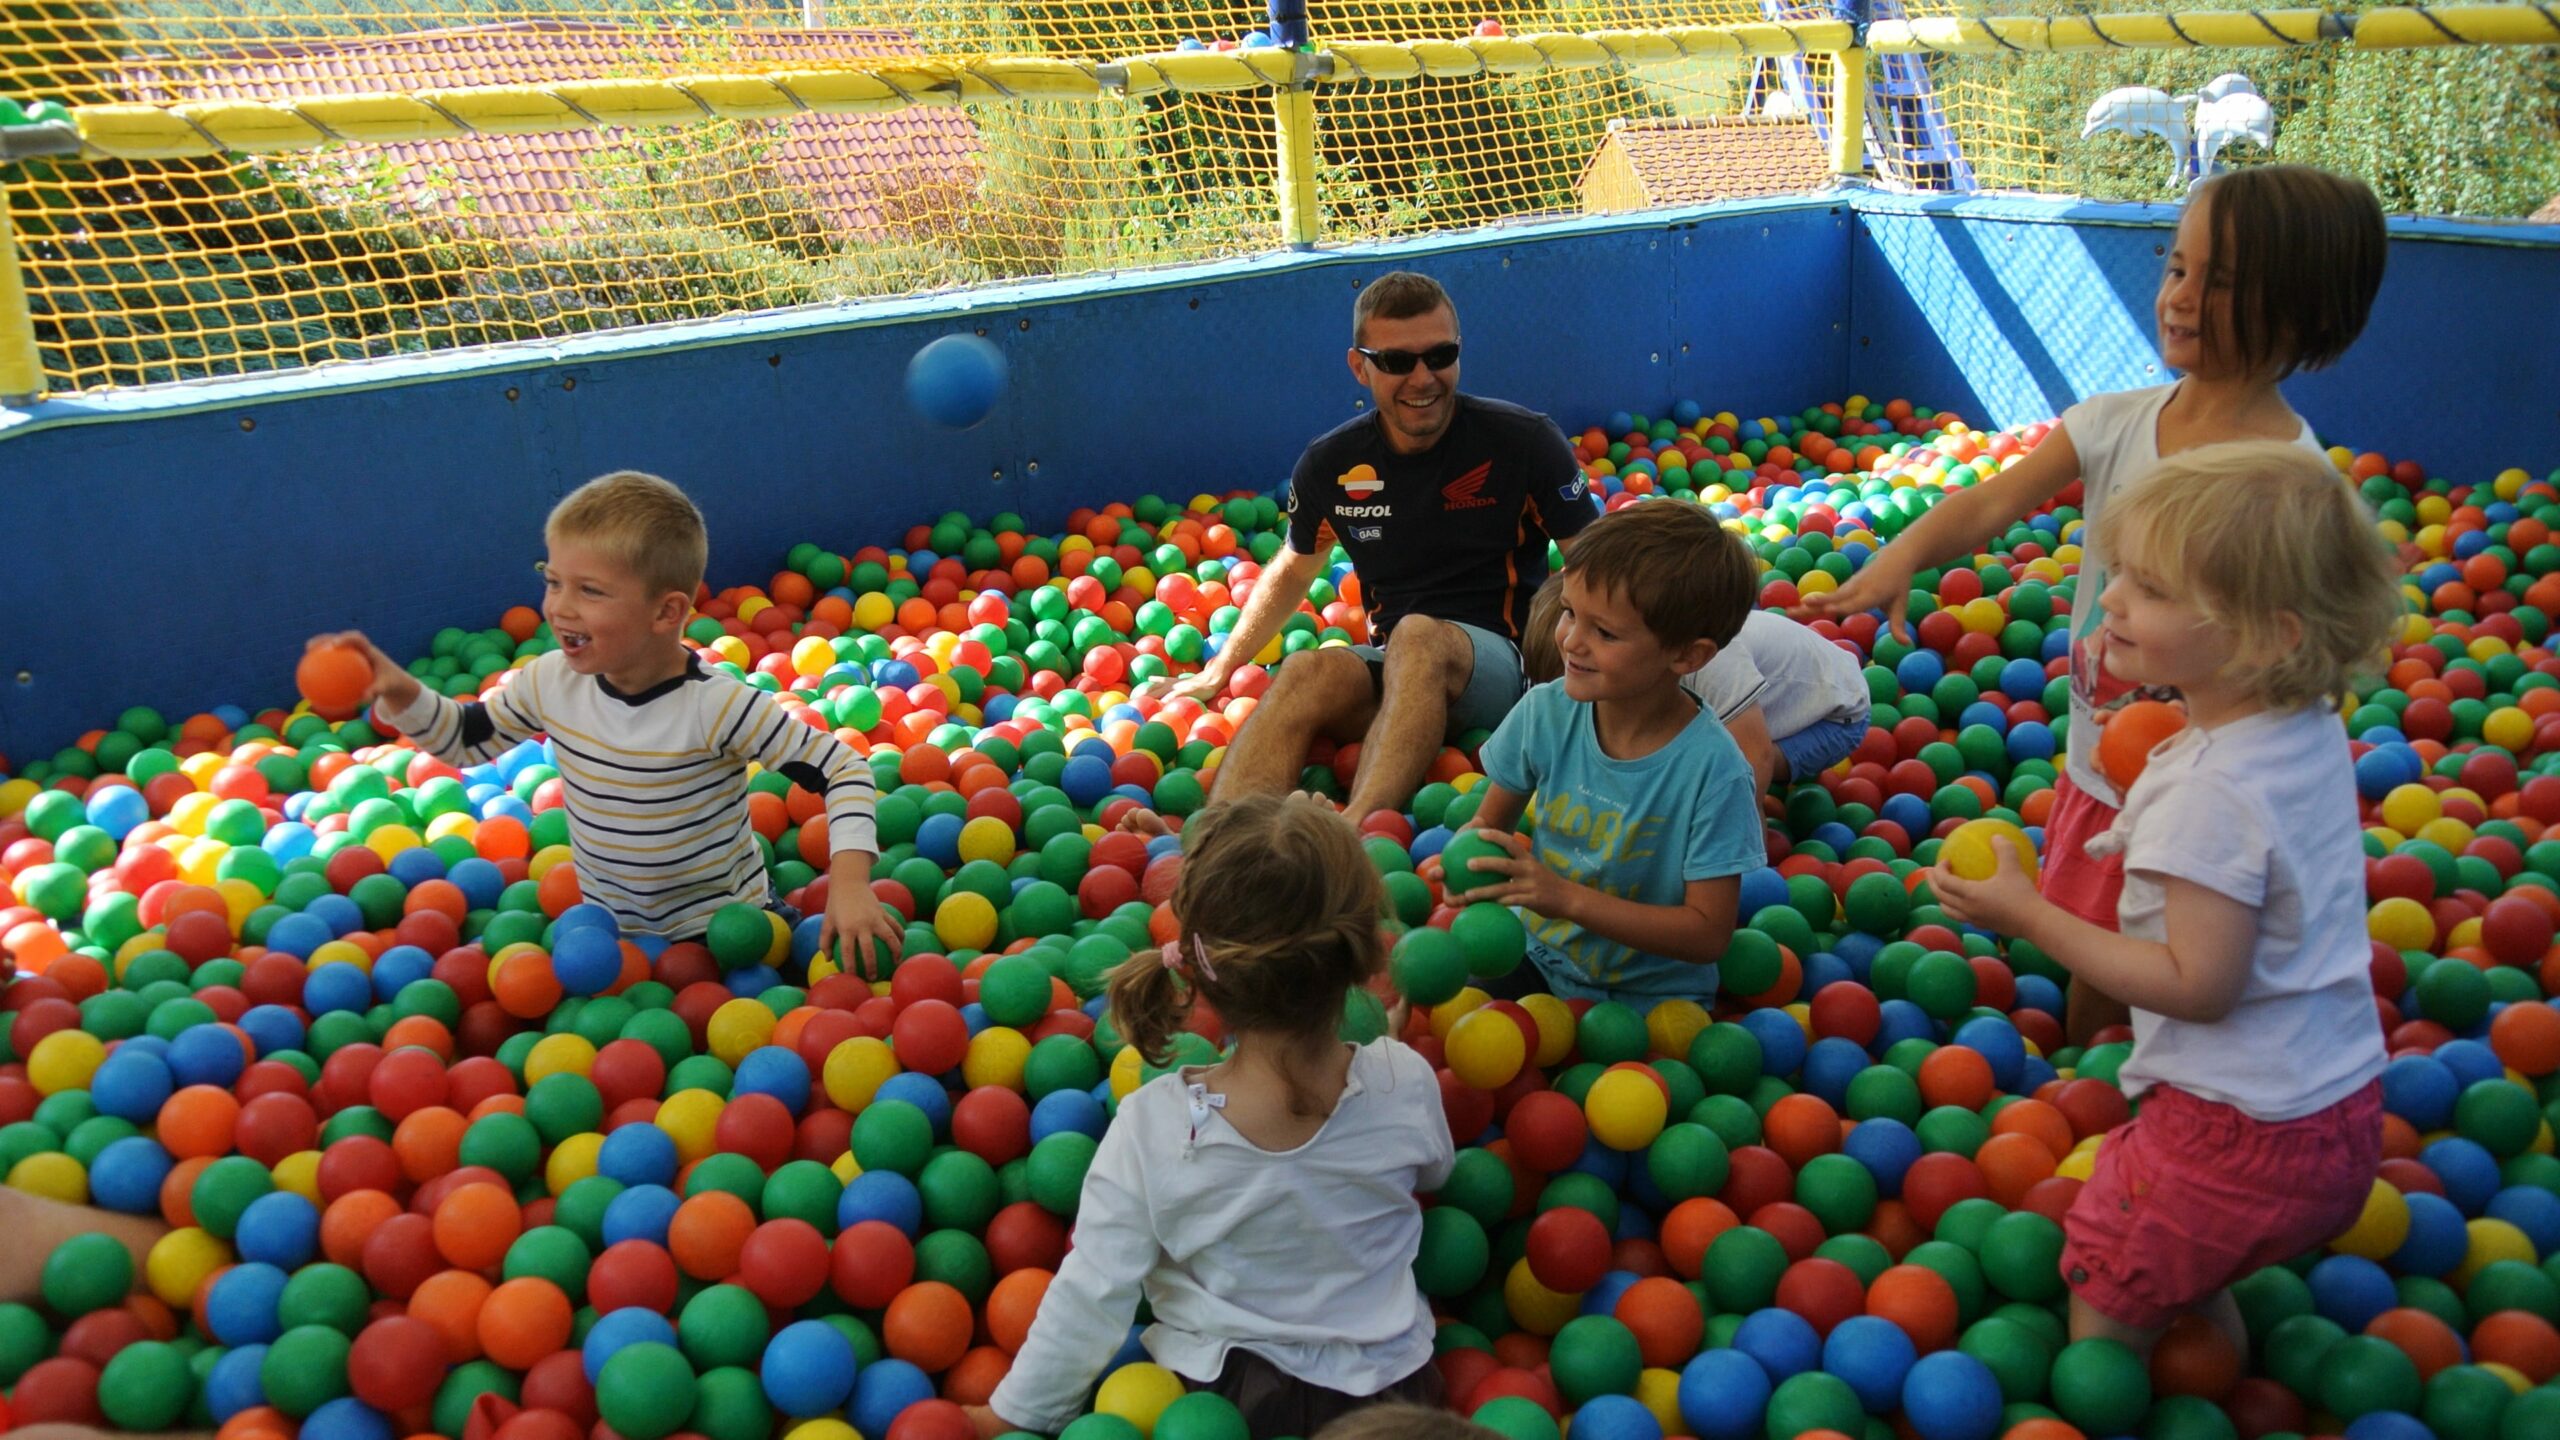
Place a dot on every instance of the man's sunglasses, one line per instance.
(1401, 362)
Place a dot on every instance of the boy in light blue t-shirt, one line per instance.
(1642, 813)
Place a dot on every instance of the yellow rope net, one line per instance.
(268, 184)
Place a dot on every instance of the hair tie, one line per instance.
(1200, 959)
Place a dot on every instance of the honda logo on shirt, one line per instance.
(1467, 491)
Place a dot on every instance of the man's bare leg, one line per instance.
(1317, 692)
(1428, 667)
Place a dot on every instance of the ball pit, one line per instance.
(447, 1153)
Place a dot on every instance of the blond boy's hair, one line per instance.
(2257, 531)
(640, 522)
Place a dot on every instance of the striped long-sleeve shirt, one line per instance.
(655, 783)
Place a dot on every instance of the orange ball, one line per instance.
(198, 1122)
(928, 1325)
(2126, 740)
(1666, 1320)
(708, 1232)
(450, 1301)
(1919, 1300)
(1012, 1304)
(2527, 1038)
(1801, 1127)
(1955, 1075)
(2429, 1343)
(475, 1225)
(524, 1320)
(2520, 1340)
(2012, 1165)
(2192, 1357)
(334, 678)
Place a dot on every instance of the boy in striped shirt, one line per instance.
(652, 747)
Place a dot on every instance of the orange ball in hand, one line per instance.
(334, 678)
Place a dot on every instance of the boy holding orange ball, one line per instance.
(653, 748)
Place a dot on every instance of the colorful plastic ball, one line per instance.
(1723, 1395)
(1951, 1396)
(647, 1391)
(86, 1272)
(955, 380)
(807, 1368)
(1139, 1393)
(2101, 1386)
(1872, 1355)
(1626, 1109)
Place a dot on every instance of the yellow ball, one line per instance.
(1982, 615)
(2401, 923)
(562, 1054)
(1128, 1071)
(339, 952)
(688, 1117)
(2491, 1242)
(965, 920)
(179, 1262)
(2448, 832)
(1968, 853)
(1556, 1029)
(1139, 1393)
(738, 1027)
(1658, 1390)
(1446, 1015)
(845, 1168)
(53, 1175)
(735, 651)
(241, 898)
(14, 795)
(2078, 1165)
(825, 1427)
(2382, 1227)
(64, 1060)
(1626, 1109)
(1533, 1306)
(391, 840)
(812, 657)
(855, 1071)
(572, 1160)
(1486, 1050)
(995, 1056)
(548, 859)
(1673, 1024)
(988, 838)
(2515, 1378)
(2409, 806)
(299, 1173)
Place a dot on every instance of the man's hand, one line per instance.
(2002, 904)
(390, 682)
(869, 934)
(1203, 686)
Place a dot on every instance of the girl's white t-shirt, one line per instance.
(2263, 810)
(2117, 436)
(1304, 1257)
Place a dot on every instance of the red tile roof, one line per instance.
(1721, 157)
(845, 165)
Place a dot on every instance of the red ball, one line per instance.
(1568, 1250)
(2516, 931)
(929, 1037)
(632, 1272)
(1936, 1183)
(1824, 1292)
(933, 1420)
(58, 1390)
(557, 1384)
(757, 1126)
(1548, 1132)
(1023, 1236)
(397, 1363)
(1847, 1010)
(784, 1262)
(993, 1124)
(870, 1263)
(1758, 1176)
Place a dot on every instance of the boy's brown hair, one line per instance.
(1689, 577)
(1396, 295)
(640, 522)
(1403, 1422)
(2303, 250)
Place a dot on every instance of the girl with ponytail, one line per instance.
(1262, 1206)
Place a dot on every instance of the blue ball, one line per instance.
(2438, 1238)
(638, 1155)
(1086, 780)
(1723, 1395)
(642, 1212)
(347, 1418)
(232, 1385)
(2350, 1290)
(772, 1070)
(923, 1092)
(1888, 1149)
(630, 1325)
(1782, 1041)
(2468, 1170)
(334, 986)
(1782, 1342)
(1999, 1042)
(954, 382)
(206, 1055)
(2533, 1210)
(1602, 1163)
(938, 839)
(883, 1195)
(126, 1175)
(402, 965)
(586, 961)
(1873, 1355)
(280, 1229)
(240, 1308)
(1066, 1110)
(272, 1028)
(2471, 1062)
(2388, 1425)
(299, 935)
(132, 1084)
(1761, 889)
(1952, 1396)
(1615, 1417)
(1602, 1299)
(1830, 1065)
(808, 1368)
(882, 1390)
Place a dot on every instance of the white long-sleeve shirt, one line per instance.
(1304, 1256)
(656, 783)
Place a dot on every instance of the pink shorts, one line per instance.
(2191, 1195)
(2086, 885)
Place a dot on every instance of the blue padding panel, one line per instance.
(174, 547)
(2011, 310)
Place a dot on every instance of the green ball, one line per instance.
(1688, 1160)
(1493, 938)
(1742, 1269)
(26, 1339)
(1611, 1034)
(553, 1253)
(1014, 989)
(646, 1391)
(1465, 863)
(1943, 984)
(1098, 1426)
(2464, 1402)
(225, 1188)
(1751, 963)
(1594, 1355)
(1814, 1400)
(1839, 1191)
(146, 1386)
(462, 1388)
(85, 1273)
(1727, 1058)
(327, 1295)
(2454, 996)
(1429, 966)
(305, 1368)
(1455, 1252)
(1479, 1184)
(2022, 1257)
(1878, 905)
(2295, 1350)
(2365, 1373)
(1058, 1164)
(2101, 1386)
(730, 1404)
(739, 936)
(893, 1135)
(2188, 1417)
(2016, 1356)
(1201, 1415)
(2533, 1415)
(1516, 1417)
(959, 1191)
(723, 1325)
(2499, 1115)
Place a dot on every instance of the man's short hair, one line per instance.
(1396, 295)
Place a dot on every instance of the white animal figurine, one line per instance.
(2230, 109)
(2142, 110)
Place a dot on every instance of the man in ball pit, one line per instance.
(1445, 503)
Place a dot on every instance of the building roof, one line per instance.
(1722, 157)
(845, 166)
(2549, 214)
